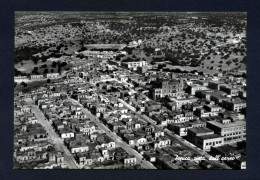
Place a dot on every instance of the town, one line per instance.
(170, 96)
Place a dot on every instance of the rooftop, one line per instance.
(201, 130)
(232, 124)
(209, 136)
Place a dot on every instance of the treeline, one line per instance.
(26, 53)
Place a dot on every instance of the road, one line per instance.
(57, 141)
(182, 141)
(139, 158)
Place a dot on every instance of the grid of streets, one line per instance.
(105, 106)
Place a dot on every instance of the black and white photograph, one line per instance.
(130, 90)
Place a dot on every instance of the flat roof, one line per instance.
(200, 130)
(210, 136)
(232, 124)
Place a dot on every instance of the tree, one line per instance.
(46, 71)
(118, 58)
(23, 84)
(44, 66)
(160, 66)
(54, 64)
(63, 64)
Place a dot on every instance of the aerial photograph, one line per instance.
(130, 90)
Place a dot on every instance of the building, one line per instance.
(181, 129)
(19, 79)
(218, 97)
(162, 142)
(204, 138)
(196, 87)
(36, 77)
(170, 88)
(231, 131)
(133, 64)
(204, 94)
(130, 161)
(216, 84)
(229, 90)
(178, 103)
(202, 113)
(236, 104)
(52, 75)
(142, 70)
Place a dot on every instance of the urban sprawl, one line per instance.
(151, 100)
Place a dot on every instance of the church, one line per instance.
(170, 88)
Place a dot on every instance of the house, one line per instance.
(157, 134)
(105, 141)
(162, 142)
(87, 129)
(84, 159)
(57, 158)
(66, 133)
(130, 139)
(130, 161)
(26, 109)
(78, 146)
(149, 129)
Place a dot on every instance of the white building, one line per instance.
(52, 75)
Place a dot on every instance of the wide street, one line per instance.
(57, 141)
(139, 158)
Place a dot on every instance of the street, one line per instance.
(139, 158)
(57, 141)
